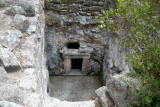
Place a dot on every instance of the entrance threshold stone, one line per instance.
(74, 88)
(74, 72)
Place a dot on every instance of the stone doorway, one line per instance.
(76, 58)
(75, 84)
(76, 64)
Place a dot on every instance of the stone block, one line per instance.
(21, 23)
(4, 3)
(82, 13)
(86, 50)
(10, 93)
(101, 3)
(103, 98)
(10, 38)
(9, 104)
(29, 80)
(95, 67)
(73, 8)
(119, 91)
(54, 7)
(52, 19)
(90, 3)
(53, 1)
(27, 6)
(94, 8)
(80, 1)
(9, 61)
(15, 10)
(5, 21)
(3, 75)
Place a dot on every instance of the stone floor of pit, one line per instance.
(74, 88)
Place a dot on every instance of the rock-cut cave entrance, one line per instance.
(76, 64)
(74, 84)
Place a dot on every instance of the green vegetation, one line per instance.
(139, 22)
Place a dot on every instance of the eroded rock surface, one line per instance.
(15, 10)
(11, 93)
(23, 75)
(9, 104)
(10, 38)
(4, 3)
(3, 75)
(21, 23)
(9, 61)
(74, 22)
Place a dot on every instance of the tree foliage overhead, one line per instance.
(140, 20)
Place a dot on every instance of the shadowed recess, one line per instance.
(77, 63)
(73, 45)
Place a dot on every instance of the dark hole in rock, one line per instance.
(48, 88)
(1, 62)
(11, 69)
(76, 63)
(73, 46)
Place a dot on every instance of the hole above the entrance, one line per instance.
(73, 45)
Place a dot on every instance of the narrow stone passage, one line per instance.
(74, 88)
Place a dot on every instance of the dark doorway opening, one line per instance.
(77, 63)
(73, 46)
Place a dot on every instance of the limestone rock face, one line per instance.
(29, 80)
(10, 38)
(3, 76)
(9, 104)
(5, 22)
(95, 67)
(104, 99)
(28, 6)
(119, 91)
(115, 67)
(52, 19)
(101, 93)
(9, 61)
(15, 10)
(21, 23)
(10, 93)
(23, 76)
(27, 52)
(73, 22)
(4, 3)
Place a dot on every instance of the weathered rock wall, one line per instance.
(73, 21)
(115, 68)
(23, 76)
